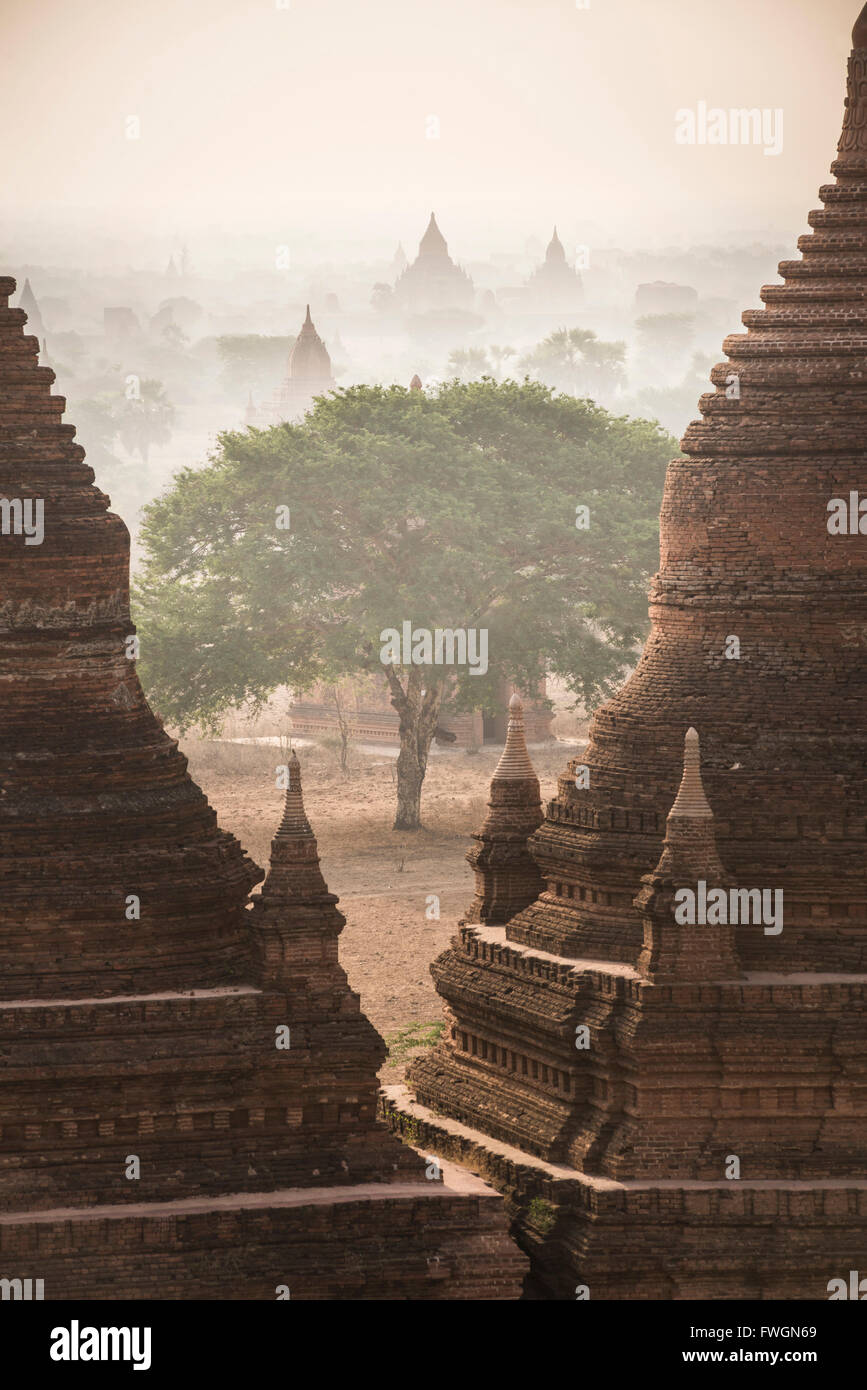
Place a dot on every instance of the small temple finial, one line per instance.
(308, 322)
(515, 762)
(415, 384)
(859, 33)
(295, 920)
(294, 822)
(507, 876)
(691, 799)
(673, 949)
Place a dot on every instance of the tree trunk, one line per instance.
(343, 727)
(418, 710)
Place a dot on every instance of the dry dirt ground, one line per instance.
(383, 877)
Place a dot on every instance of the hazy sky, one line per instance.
(312, 120)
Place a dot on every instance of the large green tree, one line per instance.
(488, 507)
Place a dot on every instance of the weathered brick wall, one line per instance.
(427, 1248)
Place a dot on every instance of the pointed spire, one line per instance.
(294, 822)
(309, 359)
(433, 243)
(295, 874)
(507, 877)
(415, 384)
(514, 764)
(691, 799)
(295, 920)
(674, 950)
(690, 847)
(28, 303)
(852, 149)
(556, 250)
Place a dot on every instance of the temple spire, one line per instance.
(294, 822)
(691, 800)
(674, 950)
(309, 359)
(556, 250)
(295, 921)
(515, 762)
(433, 243)
(30, 306)
(295, 873)
(507, 877)
(852, 149)
(690, 848)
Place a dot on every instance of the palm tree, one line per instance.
(469, 363)
(498, 356)
(575, 361)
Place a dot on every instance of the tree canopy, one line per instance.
(489, 506)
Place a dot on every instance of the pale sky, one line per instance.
(311, 120)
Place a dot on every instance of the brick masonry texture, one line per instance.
(593, 1031)
(156, 1037)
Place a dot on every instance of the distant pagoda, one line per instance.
(187, 1086)
(433, 281)
(555, 284)
(690, 1091)
(28, 303)
(308, 375)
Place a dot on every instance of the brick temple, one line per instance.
(187, 1083)
(679, 1110)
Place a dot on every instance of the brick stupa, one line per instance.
(187, 1084)
(507, 878)
(690, 1101)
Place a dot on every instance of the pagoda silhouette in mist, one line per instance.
(433, 281)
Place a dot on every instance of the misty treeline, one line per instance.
(495, 507)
